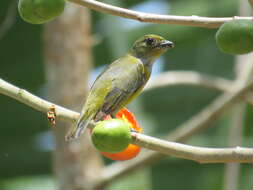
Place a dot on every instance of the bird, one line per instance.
(120, 82)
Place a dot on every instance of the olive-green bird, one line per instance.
(121, 81)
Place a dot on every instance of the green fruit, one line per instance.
(40, 11)
(235, 37)
(111, 135)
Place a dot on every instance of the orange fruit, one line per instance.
(132, 150)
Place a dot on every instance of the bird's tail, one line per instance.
(79, 128)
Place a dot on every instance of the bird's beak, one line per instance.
(166, 44)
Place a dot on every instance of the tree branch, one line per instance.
(209, 114)
(206, 22)
(232, 170)
(35, 102)
(199, 154)
(193, 78)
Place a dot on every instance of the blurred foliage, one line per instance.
(29, 183)
(159, 111)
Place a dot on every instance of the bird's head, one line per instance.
(150, 47)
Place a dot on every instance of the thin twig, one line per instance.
(209, 114)
(192, 78)
(232, 170)
(35, 102)
(207, 22)
(199, 154)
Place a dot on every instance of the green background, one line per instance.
(25, 165)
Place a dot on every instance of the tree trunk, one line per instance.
(67, 46)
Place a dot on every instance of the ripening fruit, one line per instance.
(235, 37)
(132, 150)
(111, 135)
(40, 11)
(127, 154)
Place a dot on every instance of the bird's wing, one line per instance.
(114, 87)
(128, 78)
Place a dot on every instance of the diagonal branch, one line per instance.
(193, 78)
(206, 22)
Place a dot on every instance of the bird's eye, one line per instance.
(150, 41)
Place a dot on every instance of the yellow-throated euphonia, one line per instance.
(121, 81)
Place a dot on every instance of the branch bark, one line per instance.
(232, 170)
(206, 22)
(35, 102)
(199, 154)
(193, 78)
(209, 114)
